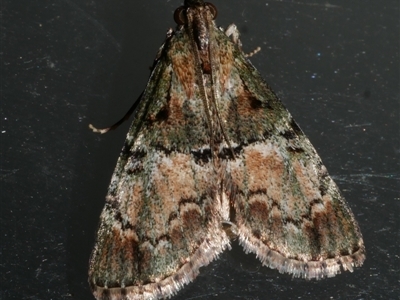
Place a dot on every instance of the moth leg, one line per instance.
(234, 34)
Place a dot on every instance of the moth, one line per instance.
(212, 151)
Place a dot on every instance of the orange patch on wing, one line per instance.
(175, 113)
(191, 216)
(259, 209)
(265, 169)
(184, 66)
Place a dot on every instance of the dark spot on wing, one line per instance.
(202, 156)
(295, 127)
(162, 115)
(255, 103)
(106, 295)
(289, 134)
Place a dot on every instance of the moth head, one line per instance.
(180, 13)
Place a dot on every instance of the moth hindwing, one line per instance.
(211, 147)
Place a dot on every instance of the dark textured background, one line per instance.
(65, 64)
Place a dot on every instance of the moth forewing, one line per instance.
(212, 154)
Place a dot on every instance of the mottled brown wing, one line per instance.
(288, 210)
(162, 218)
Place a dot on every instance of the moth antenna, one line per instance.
(254, 52)
(116, 125)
